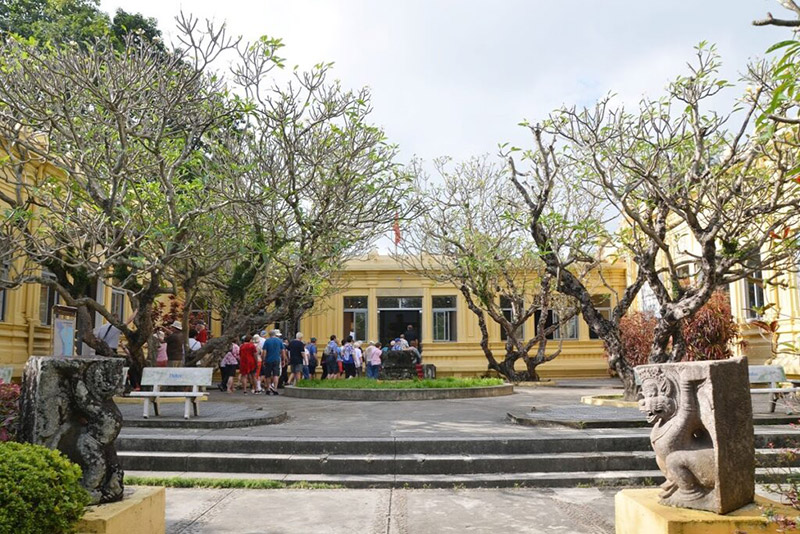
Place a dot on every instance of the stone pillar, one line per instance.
(702, 433)
(67, 405)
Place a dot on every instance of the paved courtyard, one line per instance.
(386, 511)
(397, 511)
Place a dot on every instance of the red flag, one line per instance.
(396, 228)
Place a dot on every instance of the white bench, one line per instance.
(772, 376)
(173, 376)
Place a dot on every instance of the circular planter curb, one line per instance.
(212, 423)
(545, 383)
(398, 394)
(609, 400)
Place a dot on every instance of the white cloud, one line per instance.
(456, 76)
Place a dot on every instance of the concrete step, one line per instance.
(407, 464)
(570, 442)
(478, 480)
(385, 464)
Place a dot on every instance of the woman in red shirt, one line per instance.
(247, 364)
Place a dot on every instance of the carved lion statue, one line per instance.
(683, 446)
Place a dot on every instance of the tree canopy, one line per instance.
(164, 180)
(79, 21)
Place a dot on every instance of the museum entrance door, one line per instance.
(395, 314)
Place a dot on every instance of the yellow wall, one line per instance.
(21, 332)
(376, 276)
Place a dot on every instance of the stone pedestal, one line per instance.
(142, 511)
(67, 405)
(637, 511)
(702, 433)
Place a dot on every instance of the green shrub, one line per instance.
(40, 491)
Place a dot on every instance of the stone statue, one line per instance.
(67, 405)
(683, 447)
(702, 433)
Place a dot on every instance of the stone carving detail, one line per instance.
(402, 365)
(702, 433)
(67, 405)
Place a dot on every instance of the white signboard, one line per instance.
(64, 337)
(5, 374)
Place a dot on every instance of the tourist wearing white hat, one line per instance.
(175, 342)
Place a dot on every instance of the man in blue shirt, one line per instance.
(271, 368)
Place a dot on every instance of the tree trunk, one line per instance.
(531, 364)
(662, 335)
(616, 360)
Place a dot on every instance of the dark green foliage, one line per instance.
(242, 278)
(54, 21)
(82, 21)
(144, 28)
(40, 491)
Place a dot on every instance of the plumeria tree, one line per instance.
(319, 184)
(701, 206)
(713, 193)
(105, 160)
(464, 236)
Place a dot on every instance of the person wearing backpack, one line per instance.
(348, 361)
(311, 349)
(330, 358)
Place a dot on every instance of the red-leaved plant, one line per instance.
(710, 333)
(636, 330)
(9, 410)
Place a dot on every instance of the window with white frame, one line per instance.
(754, 298)
(355, 317)
(118, 303)
(48, 297)
(649, 300)
(754, 295)
(508, 312)
(444, 318)
(602, 303)
(568, 329)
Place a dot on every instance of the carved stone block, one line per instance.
(702, 433)
(67, 405)
(429, 370)
(398, 358)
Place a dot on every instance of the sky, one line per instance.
(456, 77)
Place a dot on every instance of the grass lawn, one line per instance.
(244, 483)
(367, 383)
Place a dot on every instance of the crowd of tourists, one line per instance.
(267, 361)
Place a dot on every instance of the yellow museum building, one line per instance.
(382, 298)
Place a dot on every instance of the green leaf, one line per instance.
(781, 44)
